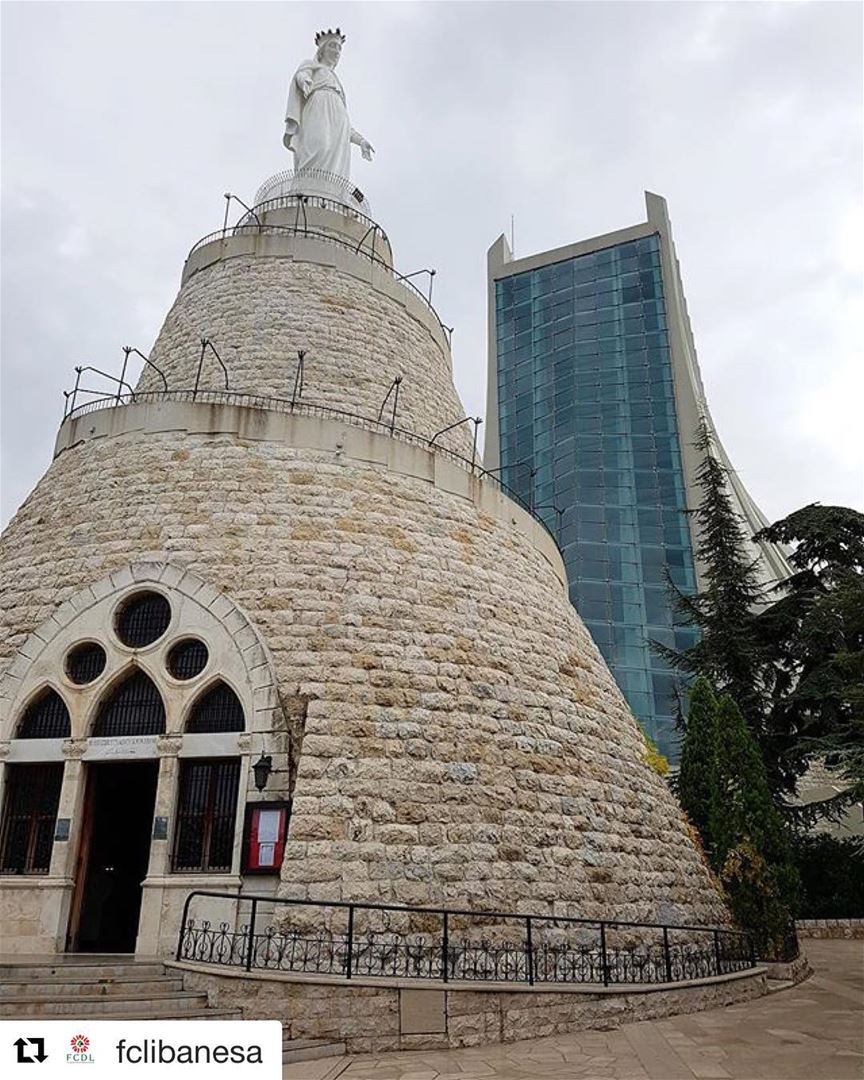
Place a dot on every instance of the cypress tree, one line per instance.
(750, 846)
(723, 787)
(697, 775)
(728, 651)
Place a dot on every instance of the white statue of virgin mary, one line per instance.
(317, 128)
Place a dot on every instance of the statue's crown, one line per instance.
(328, 35)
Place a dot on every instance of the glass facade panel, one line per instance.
(585, 398)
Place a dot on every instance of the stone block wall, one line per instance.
(795, 971)
(259, 310)
(367, 1017)
(830, 928)
(33, 916)
(464, 741)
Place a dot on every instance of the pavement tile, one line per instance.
(322, 1069)
(655, 1053)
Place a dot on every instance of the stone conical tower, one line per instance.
(395, 629)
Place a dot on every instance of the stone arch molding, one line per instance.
(238, 654)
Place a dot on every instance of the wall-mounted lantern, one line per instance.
(262, 769)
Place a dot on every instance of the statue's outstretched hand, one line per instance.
(367, 150)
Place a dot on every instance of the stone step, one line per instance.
(93, 1006)
(69, 984)
(84, 971)
(310, 1049)
(136, 1014)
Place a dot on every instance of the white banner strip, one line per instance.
(103, 1049)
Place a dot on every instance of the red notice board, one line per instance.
(264, 833)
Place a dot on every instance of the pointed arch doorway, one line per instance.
(119, 800)
(113, 856)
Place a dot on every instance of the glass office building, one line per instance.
(594, 397)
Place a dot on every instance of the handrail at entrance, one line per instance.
(468, 912)
(371, 939)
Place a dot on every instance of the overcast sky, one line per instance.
(124, 123)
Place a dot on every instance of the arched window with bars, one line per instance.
(46, 717)
(218, 709)
(206, 812)
(29, 817)
(135, 707)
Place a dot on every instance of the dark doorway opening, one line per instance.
(112, 862)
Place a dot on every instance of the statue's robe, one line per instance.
(317, 127)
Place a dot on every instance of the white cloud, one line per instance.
(75, 243)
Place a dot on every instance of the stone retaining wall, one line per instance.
(374, 1018)
(795, 971)
(830, 928)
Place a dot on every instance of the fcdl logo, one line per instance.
(80, 1051)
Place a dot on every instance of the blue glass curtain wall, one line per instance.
(587, 421)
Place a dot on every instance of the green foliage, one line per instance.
(652, 756)
(755, 900)
(728, 651)
(744, 812)
(697, 773)
(824, 537)
(832, 877)
(813, 639)
(792, 656)
(724, 788)
(728, 646)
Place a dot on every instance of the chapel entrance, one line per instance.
(112, 862)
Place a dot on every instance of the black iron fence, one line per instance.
(392, 941)
(275, 188)
(296, 201)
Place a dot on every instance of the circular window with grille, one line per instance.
(187, 658)
(85, 662)
(143, 619)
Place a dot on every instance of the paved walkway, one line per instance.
(814, 1031)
